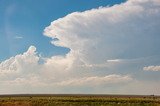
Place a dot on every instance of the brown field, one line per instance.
(78, 100)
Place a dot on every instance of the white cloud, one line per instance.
(114, 61)
(100, 34)
(128, 30)
(26, 61)
(152, 68)
(96, 80)
(105, 64)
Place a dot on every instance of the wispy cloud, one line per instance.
(95, 80)
(114, 61)
(18, 37)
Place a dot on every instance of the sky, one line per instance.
(23, 22)
(92, 47)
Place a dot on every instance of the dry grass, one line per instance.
(79, 101)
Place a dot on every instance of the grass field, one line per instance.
(79, 100)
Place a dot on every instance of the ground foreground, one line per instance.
(79, 100)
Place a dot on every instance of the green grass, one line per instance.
(78, 101)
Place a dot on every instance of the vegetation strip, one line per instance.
(79, 100)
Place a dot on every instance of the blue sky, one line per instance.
(53, 46)
(27, 19)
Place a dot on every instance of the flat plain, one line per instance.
(78, 100)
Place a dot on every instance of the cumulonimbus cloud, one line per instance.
(102, 34)
(129, 29)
